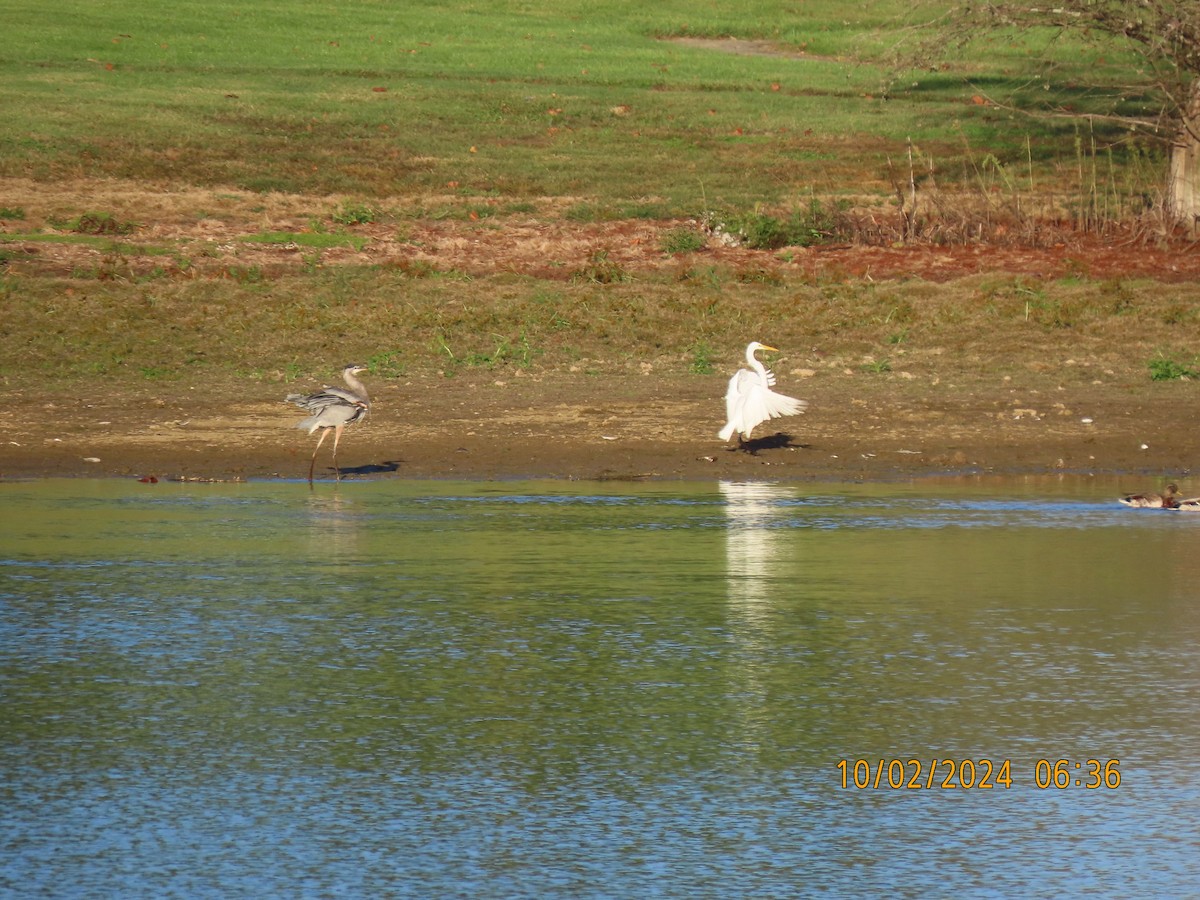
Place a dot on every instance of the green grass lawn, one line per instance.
(521, 100)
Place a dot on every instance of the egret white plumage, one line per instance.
(749, 401)
(333, 409)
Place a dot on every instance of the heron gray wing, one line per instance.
(332, 416)
(348, 396)
(325, 399)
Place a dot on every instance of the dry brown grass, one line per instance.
(182, 297)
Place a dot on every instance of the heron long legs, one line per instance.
(337, 436)
(313, 464)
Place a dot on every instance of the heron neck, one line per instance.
(355, 385)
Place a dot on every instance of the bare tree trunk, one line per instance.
(1183, 179)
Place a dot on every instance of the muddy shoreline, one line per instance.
(558, 426)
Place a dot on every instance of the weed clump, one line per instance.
(702, 359)
(386, 364)
(1163, 368)
(682, 240)
(816, 224)
(355, 214)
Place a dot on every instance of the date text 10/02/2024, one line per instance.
(978, 774)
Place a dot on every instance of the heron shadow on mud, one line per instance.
(381, 468)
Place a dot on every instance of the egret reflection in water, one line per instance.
(752, 544)
(755, 547)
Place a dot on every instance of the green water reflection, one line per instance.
(702, 644)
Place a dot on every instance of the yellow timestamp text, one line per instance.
(1065, 773)
(974, 774)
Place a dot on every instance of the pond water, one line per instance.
(428, 689)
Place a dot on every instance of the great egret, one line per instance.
(750, 400)
(333, 409)
(1165, 500)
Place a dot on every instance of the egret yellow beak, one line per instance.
(772, 349)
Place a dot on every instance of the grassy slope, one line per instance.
(424, 110)
(371, 98)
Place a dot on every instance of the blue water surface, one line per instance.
(555, 689)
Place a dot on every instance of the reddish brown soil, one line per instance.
(544, 246)
(558, 250)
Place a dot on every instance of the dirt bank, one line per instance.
(949, 417)
(588, 427)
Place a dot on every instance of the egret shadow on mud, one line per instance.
(775, 441)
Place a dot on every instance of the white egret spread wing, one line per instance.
(749, 401)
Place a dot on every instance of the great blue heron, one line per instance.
(333, 409)
(750, 400)
(1166, 500)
